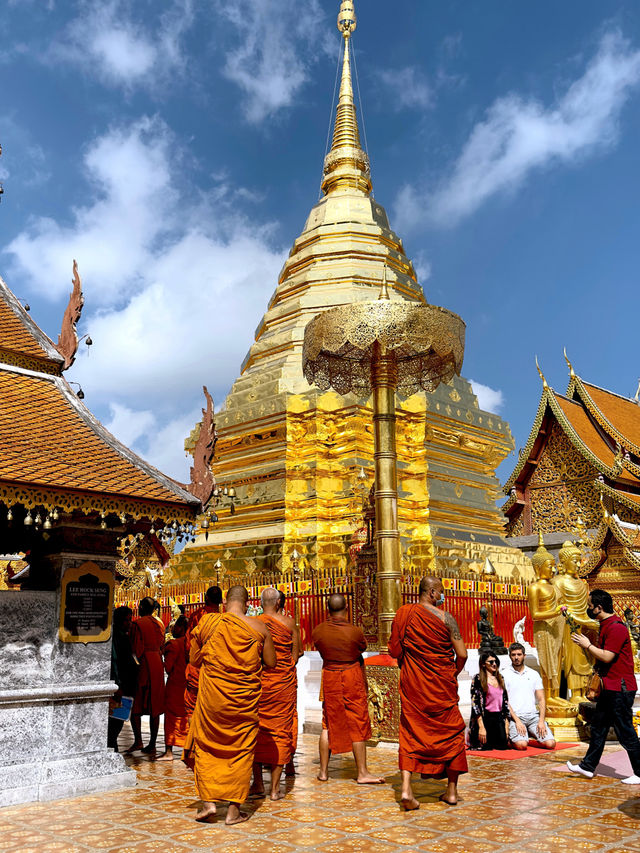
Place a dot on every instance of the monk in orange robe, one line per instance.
(176, 721)
(212, 602)
(430, 651)
(147, 640)
(345, 714)
(231, 648)
(290, 768)
(278, 699)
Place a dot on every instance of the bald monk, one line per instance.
(427, 643)
(345, 714)
(176, 721)
(147, 640)
(212, 602)
(290, 768)
(278, 699)
(231, 648)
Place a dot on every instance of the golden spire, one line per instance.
(346, 166)
(384, 290)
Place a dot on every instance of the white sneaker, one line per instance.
(575, 768)
(631, 780)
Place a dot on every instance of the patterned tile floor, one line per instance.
(505, 806)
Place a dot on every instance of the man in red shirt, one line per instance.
(614, 663)
(345, 712)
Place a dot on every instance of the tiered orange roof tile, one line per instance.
(620, 412)
(49, 440)
(20, 335)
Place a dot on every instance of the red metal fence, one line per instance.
(307, 600)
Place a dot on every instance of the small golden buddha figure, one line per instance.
(573, 593)
(548, 623)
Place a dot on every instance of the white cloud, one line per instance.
(408, 85)
(107, 41)
(270, 62)
(161, 444)
(175, 282)
(519, 136)
(113, 237)
(489, 399)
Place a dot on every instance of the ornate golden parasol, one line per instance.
(383, 346)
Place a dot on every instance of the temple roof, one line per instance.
(22, 342)
(602, 426)
(54, 452)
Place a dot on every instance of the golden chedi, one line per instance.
(573, 594)
(293, 452)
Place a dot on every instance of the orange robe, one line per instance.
(345, 711)
(224, 727)
(278, 699)
(147, 640)
(176, 721)
(193, 672)
(431, 725)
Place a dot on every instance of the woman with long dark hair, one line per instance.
(489, 723)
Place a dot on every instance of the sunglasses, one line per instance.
(495, 662)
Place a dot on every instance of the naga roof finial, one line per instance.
(67, 344)
(572, 373)
(637, 397)
(544, 381)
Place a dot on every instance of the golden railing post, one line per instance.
(384, 378)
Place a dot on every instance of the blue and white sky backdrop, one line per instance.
(175, 148)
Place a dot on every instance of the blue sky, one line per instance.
(175, 148)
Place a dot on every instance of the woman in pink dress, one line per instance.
(489, 723)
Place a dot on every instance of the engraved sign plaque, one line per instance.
(86, 604)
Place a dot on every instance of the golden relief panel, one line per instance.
(560, 462)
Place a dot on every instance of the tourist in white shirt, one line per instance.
(524, 687)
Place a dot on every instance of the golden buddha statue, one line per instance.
(573, 593)
(548, 625)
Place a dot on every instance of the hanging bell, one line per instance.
(103, 523)
(56, 514)
(28, 521)
(9, 515)
(47, 524)
(38, 519)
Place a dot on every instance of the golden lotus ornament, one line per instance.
(380, 347)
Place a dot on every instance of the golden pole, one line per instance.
(384, 378)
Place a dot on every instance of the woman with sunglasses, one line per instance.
(489, 723)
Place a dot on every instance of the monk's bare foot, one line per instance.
(207, 814)
(409, 804)
(322, 778)
(166, 756)
(370, 780)
(234, 815)
(276, 795)
(450, 801)
(135, 748)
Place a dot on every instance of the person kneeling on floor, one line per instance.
(525, 691)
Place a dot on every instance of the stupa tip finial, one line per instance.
(347, 20)
(544, 381)
(637, 397)
(384, 290)
(569, 365)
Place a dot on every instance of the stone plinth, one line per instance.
(53, 706)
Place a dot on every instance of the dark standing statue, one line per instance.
(489, 642)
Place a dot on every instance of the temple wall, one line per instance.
(54, 700)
